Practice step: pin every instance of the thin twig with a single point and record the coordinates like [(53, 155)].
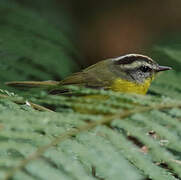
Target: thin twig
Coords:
[(38, 107), (33, 105), (176, 161), (74, 132)]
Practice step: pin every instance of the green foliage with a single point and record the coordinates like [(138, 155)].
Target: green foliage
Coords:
[(105, 141), (45, 136), (169, 83), (31, 46)]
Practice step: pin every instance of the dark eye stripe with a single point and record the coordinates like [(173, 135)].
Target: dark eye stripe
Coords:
[(145, 69)]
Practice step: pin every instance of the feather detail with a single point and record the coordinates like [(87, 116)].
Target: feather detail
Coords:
[(74, 79), (33, 84)]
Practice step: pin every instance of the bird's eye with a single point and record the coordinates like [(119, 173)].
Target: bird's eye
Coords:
[(144, 68)]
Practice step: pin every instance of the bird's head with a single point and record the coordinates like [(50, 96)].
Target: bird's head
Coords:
[(137, 68)]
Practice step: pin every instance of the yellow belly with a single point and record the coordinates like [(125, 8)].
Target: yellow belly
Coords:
[(119, 85), (125, 86)]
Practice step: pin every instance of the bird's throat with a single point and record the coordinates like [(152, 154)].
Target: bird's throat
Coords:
[(121, 85)]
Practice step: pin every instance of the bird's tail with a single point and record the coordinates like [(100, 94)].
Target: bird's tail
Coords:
[(33, 84)]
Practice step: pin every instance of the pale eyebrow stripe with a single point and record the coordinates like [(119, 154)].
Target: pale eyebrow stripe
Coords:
[(131, 55)]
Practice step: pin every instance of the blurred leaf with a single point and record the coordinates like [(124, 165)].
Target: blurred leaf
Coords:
[(169, 83), (32, 47), (107, 138)]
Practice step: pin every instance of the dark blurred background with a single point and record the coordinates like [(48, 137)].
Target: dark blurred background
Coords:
[(43, 39), (111, 28)]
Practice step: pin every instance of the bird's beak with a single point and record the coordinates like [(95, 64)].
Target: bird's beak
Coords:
[(163, 68)]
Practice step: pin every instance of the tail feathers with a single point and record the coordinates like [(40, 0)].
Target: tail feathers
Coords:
[(33, 84)]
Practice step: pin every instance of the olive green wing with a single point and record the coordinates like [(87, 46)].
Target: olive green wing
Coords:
[(95, 76), (74, 79)]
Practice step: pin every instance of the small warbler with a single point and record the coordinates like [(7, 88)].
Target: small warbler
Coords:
[(131, 73)]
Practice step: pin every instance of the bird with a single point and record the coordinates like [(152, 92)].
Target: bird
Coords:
[(130, 73)]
